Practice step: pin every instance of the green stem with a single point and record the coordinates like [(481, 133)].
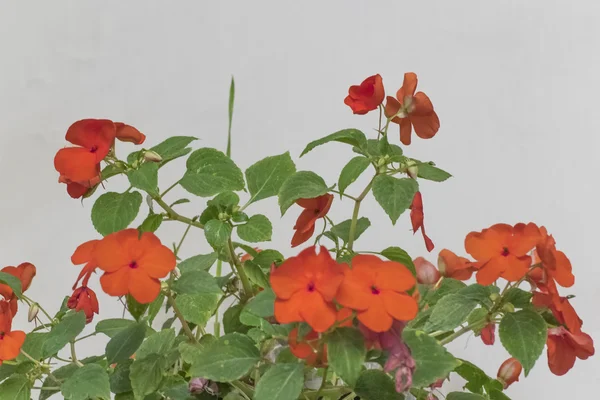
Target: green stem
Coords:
[(179, 315), (52, 388), (217, 328), (169, 189), (353, 223), (323, 382), (74, 359), (343, 194), (456, 334), (172, 214), (237, 266), (182, 239)]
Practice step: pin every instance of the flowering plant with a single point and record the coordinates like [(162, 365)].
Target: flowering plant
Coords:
[(329, 322)]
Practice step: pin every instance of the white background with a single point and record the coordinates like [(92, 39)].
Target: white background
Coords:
[(515, 84)]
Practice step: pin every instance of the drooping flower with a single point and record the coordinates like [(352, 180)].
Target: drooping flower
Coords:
[(553, 266), (84, 299), (84, 254), (412, 110), (509, 372), (488, 334), (427, 273), (305, 286), (417, 219), (376, 289), (565, 347), (79, 189), (127, 133), (200, 385), (133, 264), (561, 308), (453, 266), (367, 96), (25, 272), (10, 341), (313, 210), (502, 251)]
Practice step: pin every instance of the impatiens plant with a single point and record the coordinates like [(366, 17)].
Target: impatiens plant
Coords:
[(245, 322)]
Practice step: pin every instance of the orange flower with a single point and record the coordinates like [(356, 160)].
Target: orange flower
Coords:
[(488, 334), (417, 218), (127, 133), (564, 347), (305, 286), (10, 341), (561, 308), (377, 290), (313, 210), (412, 110), (133, 264), (367, 96), (502, 251), (427, 273), (79, 189), (555, 266), (509, 372), (84, 254), (453, 266), (84, 299), (25, 273)]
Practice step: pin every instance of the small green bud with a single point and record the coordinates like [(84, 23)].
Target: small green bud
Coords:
[(508, 307), (152, 156), (494, 296)]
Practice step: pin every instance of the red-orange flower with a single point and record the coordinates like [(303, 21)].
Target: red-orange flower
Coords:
[(25, 273), (453, 266), (10, 341), (417, 219), (488, 334), (555, 266), (509, 372), (127, 133), (84, 299), (502, 250), (565, 347), (367, 96), (377, 290), (412, 110), (84, 254), (305, 286), (427, 273), (313, 210), (561, 308), (133, 264)]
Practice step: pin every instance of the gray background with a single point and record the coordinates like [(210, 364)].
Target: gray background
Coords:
[(515, 85)]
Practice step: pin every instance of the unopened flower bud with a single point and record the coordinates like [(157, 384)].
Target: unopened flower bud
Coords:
[(488, 334), (152, 156), (509, 372), (412, 169), (381, 161), (508, 307), (494, 296), (34, 309), (427, 273), (197, 385)]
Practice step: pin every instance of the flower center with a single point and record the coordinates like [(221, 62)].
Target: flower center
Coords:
[(94, 149), (505, 252), (1, 335), (310, 287), (316, 211), (133, 265), (375, 290)]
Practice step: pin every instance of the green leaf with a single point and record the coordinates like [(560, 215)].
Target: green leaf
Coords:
[(346, 353), (89, 381), (342, 230), (518, 298), (267, 175), (432, 173), (217, 233), (523, 335), (119, 379), (374, 384), (257, 229), (263, 304), (239, 217), (464, 396), (450, 312), (173, 148), (146, 374), (63, 333), (180, 201), (224, 201), (231, 320), (230, 114), (301, 185), (13, 282), (377, 148), (151, 223), (113, 212), (17, 387), (111, 170), (197, 308), (125, 343), (353, 137), (157, 343), (447, 287), (110, 327), (34, 345), (256, 274), (281, 382), (210, 172), (432, 359), (394, 195), (136, 309), (267, 257), (197, 282), (399, 255), (230, 358), (145, 177), (351, 172), (201, 262), (477, 320), (155, 307)]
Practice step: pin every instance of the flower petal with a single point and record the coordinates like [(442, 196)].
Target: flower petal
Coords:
[(405, 131), (142, 287), (116, 283), (317, 313), (288, 311), (11, 344), (376, 318), (83, 252), (76, 164), (409, 85), (98, 134), (158, 261), (491, 271), (394, 276), (127, 133), (400, 306)]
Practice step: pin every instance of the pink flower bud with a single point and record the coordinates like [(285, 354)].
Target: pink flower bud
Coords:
[(488, 334), (509, 372), (34, 309), (427, 273)]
